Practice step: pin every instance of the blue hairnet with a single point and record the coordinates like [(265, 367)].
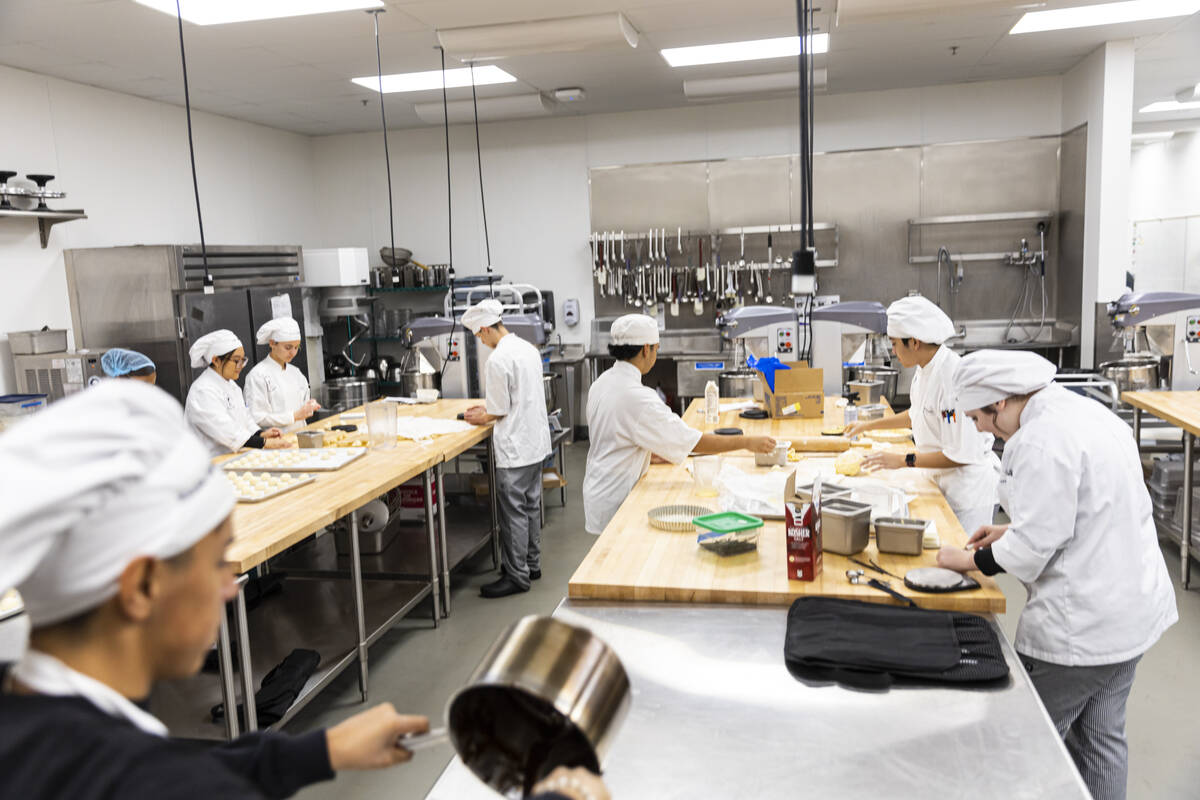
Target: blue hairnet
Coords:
[(117, 362)]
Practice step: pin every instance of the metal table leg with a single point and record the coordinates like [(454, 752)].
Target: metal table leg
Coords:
[(434, 548), (439, 473), (562, 472), (491, 457), (247, 668), (1185, 540), (360, 616), (1137, 428), (228, 693)]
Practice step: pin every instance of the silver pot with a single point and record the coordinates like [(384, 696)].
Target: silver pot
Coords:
[(739, 383), (888, 376), (551, 391), (547, 694), (411, 381), (343, 393), (1133, 372)]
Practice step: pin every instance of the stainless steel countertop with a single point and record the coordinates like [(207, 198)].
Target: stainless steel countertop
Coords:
[(716, 714)]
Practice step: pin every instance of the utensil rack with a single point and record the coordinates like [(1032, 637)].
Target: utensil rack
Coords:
[(972, 219), (46, 219)]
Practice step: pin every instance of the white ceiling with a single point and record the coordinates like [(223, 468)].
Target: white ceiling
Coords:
[(294, 74)]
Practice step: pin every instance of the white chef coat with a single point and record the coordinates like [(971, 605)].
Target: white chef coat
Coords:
[(1082, 539), (938, 426), (626, 423), (275, 392), (513, 390), (217, 413)]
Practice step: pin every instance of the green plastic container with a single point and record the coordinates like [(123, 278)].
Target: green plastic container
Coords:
[(727, 522)]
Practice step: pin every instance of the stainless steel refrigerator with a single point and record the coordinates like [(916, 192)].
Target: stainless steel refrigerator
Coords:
[(151, 298)]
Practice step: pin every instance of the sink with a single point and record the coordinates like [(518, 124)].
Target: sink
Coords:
[(567, 353)]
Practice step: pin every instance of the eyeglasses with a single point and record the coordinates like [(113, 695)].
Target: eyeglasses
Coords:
[(236, 361)]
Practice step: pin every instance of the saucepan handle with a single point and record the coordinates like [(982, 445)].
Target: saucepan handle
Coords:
[(415, 742)]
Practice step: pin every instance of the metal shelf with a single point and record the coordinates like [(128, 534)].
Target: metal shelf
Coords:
[(46, 219), (966, 219), (376, 289), (973, 219), (312, 614)]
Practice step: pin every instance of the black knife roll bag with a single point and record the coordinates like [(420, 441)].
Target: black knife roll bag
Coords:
[(870, 645)]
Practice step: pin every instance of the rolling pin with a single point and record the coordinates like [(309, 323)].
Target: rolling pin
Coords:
[(820, 444)]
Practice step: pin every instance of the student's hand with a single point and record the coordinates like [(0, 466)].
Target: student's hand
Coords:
[(985, 536), (276, 444), (655, 458), (476, 415), (307, 410), (578, 783), (368, 740), (759, 444), (272, 433), (956, 558), (883, 460), (856, 429)]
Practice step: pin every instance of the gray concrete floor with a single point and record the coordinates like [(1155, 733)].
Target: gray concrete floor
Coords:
[(417, 668)]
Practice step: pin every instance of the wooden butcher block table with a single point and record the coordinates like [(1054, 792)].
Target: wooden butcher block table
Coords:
[(632, 561)]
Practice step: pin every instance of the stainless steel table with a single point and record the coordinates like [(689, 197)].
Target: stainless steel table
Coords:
[(715, 714)]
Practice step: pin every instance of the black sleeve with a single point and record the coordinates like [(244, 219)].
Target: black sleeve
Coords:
[(279, 765), (986, 562), (548, 796), (254, 441)]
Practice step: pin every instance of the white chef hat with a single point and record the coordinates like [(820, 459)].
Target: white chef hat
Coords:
[(211, 345), (635, 329), (280, 329), (917, 318), (986, 376), (482, 315), (93, 482)]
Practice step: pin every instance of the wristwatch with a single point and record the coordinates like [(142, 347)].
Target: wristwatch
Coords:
[(910, 459)]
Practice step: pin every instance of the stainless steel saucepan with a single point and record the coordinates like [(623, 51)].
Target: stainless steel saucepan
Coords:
[(546, 695)]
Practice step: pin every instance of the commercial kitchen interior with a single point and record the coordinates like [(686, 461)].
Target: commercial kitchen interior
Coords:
[(923, 111)]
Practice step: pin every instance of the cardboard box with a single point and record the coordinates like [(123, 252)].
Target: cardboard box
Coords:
[(799, 384)]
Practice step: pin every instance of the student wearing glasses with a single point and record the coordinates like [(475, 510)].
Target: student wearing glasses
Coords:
[(215, 408)]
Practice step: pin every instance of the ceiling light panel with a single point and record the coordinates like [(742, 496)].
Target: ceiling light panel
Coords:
[(424, 81), (1103, 14), (221, 12), (783, 47), (1165, 106), (563, 35)]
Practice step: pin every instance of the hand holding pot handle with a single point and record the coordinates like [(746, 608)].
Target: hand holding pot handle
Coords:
[(368, 740)]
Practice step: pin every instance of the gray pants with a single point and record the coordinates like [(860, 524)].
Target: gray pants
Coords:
[(1087, 705), (519, 497)]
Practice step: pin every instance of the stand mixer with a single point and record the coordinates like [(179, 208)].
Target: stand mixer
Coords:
[(1143, 364)]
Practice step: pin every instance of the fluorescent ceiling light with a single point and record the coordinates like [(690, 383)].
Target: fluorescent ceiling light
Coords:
[(423, 81), (490, 108), (1164, 106), (563, 35), (702, 88), (743, 51), (219, 12), (1156, 136), (1103, 14)]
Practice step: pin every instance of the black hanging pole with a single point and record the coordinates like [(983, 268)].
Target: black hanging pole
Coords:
[(449, 220), (187, 105), (479, 160), (387, 160)]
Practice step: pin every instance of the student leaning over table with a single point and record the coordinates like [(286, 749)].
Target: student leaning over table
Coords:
[(967, 471), (215, 409), (113, 527), (515, 400), (1083, 542), (118, 362), (628, 423)]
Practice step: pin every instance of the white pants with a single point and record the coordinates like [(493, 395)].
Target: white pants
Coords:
[(972, 518)]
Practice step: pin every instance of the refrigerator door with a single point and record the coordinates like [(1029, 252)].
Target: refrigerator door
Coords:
[(203, 313), (268, 303)]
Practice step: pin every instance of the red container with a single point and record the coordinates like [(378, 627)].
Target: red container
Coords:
[(803, 542)]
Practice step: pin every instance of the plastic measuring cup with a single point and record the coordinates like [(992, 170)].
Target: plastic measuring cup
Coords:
[(704, 473), (381, 424)]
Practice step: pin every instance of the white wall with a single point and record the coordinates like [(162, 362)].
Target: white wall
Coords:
[(535, 172), (124, 161), (1165, 178)]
